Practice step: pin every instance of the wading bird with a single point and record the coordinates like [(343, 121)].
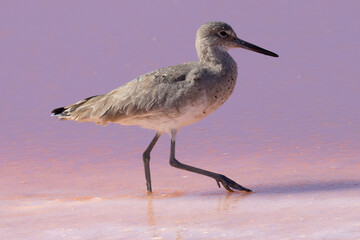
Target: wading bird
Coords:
[(170, 98)]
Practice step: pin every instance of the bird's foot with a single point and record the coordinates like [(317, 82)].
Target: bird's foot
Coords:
[(230, 184)]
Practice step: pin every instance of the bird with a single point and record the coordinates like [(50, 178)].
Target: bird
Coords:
[(167, 99)]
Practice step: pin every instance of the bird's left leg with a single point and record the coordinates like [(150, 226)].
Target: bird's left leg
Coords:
[(146, 160)]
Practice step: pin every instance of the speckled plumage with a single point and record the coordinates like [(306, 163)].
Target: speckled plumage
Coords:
[(169, 98), (158, 99)]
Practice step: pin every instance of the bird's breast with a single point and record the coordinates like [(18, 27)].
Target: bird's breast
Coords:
[(220, 90)]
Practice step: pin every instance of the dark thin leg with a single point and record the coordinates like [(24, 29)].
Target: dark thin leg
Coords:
[(146, 159), (219, 178)]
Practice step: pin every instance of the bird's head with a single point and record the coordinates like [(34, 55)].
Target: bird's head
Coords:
[(220, 35)]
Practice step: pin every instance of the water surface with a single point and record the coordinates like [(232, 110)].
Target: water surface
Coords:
[(290, 132)]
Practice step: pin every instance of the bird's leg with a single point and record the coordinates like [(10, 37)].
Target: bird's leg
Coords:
[(219, 178), (146, 159)]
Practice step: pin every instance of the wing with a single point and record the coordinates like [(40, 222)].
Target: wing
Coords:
[(166, 88)]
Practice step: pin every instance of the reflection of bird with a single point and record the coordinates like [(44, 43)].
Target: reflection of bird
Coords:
[(167, 99)]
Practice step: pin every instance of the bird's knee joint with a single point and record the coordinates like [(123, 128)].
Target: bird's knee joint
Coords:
[(174, 163), (146, 157)]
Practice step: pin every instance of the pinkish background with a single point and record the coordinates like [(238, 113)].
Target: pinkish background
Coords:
[(290, 132)]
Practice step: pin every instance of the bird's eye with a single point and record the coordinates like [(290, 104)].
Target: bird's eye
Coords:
[(223, 34)]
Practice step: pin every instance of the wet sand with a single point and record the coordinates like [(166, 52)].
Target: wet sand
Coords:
[(290, 132)]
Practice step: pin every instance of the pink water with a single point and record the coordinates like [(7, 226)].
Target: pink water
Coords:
[(290, 132)]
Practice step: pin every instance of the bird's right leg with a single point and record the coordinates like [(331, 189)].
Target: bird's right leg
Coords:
[(219, 178), (146, 160)]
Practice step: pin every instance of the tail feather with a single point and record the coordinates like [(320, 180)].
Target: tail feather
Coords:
[(58, 111), (65, 112)]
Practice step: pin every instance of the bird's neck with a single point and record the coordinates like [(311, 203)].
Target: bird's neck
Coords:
[(217, 59)]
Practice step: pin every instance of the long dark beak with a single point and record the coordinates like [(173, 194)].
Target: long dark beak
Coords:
[(246, 45)]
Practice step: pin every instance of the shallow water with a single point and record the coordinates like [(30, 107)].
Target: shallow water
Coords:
[(290, 132)]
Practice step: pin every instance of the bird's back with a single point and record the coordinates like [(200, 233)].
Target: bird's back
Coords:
[(164, 91)]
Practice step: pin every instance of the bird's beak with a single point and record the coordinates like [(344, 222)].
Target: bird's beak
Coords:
[(246, 45)]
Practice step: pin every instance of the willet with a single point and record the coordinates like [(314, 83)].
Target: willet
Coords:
[(170, 98)]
